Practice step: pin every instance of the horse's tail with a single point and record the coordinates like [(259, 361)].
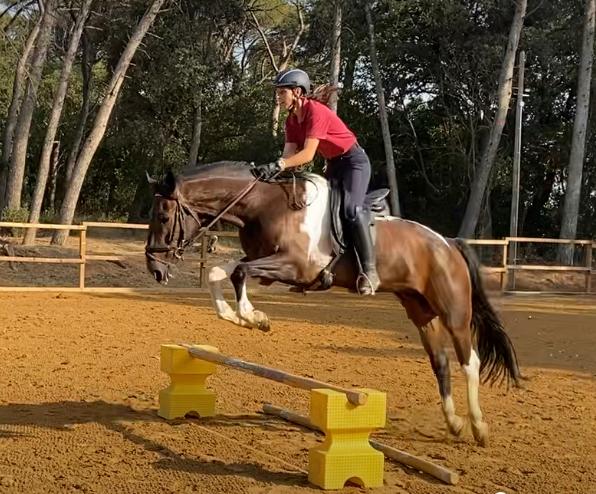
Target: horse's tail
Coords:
[(498, 360)]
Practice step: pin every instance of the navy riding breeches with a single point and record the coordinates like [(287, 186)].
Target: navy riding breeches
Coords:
[(351, 171)]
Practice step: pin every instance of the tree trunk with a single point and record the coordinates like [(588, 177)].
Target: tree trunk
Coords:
[(349, 72), (478, 188), (391, 175), (18, 87), (196, 135), (486, 218), (86, 71), (53, 180), (56, 113), (275, 117), (578, 144), (335, 54), (67, 210), (16, 172)]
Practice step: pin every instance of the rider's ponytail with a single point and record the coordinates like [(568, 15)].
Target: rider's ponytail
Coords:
[(323, 93)]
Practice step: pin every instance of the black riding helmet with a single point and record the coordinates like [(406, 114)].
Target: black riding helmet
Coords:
[(293, 78)]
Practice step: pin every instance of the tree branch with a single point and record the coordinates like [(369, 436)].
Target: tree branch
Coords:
[(419, 151), (298, 34), (16, 15), (10, 7), (264, 38)]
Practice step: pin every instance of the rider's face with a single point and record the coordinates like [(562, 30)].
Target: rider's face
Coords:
[(286, 96)]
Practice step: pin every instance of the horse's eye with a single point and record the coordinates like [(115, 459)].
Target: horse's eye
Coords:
[(163, 218)]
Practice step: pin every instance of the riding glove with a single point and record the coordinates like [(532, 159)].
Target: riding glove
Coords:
[(268, 170)]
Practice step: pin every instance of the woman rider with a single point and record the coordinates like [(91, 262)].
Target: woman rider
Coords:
[(313, 127)]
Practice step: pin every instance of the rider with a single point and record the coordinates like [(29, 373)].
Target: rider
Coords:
[(313, 127)]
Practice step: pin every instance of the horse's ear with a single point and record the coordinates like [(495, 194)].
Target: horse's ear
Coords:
[(169, 184), (150, 179)]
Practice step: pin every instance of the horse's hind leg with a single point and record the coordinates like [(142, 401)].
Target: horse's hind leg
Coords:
[(470, 364), (434, 339)]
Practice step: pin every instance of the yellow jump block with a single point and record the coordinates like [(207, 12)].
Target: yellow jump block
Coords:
[(346, 454), (187, 392)]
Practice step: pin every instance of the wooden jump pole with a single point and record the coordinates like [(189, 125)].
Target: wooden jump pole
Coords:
[(415, 462), (354, 397)]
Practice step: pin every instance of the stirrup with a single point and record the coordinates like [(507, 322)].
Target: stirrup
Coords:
[(370, 284)]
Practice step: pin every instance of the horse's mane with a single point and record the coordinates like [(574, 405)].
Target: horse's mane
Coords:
[(218, 168), (239, 169)]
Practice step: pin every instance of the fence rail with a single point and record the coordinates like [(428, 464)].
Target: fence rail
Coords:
[(506, 268)]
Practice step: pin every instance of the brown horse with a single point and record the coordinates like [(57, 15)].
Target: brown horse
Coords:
[(285, 231)]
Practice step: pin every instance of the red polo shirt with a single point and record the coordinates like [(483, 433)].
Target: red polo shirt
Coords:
[(320, 122)]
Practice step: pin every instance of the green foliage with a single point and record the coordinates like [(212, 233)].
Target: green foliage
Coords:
[(20, 215), (440, 61)]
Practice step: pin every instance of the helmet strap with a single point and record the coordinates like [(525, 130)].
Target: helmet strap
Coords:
[(295, 99)]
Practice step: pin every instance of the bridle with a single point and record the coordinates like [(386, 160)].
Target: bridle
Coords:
[(182, 211)]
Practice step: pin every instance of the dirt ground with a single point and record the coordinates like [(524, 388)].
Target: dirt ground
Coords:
[(81, 377)]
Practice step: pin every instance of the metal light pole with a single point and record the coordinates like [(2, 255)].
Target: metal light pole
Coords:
[(516, 162)]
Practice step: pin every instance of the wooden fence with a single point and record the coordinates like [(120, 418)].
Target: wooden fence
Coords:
[(506, 267)]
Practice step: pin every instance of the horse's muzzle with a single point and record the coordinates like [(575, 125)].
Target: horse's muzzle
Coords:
[(159, 269)]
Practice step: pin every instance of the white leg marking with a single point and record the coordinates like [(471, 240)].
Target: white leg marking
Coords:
[(472, 373), (454, 422), (248, 315), (245, 306), (217, 274)]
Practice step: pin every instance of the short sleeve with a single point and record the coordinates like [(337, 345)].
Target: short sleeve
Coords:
[(317, 123)]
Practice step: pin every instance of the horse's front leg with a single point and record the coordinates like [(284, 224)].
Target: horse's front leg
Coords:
[(217, 274), (277, 267)]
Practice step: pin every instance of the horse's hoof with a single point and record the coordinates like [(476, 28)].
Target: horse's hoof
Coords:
[(480, 432), (261, 321), (256, 320), (264, 326), (456, 426)]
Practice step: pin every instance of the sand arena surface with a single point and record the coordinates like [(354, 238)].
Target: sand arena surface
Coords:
[(80, 378)]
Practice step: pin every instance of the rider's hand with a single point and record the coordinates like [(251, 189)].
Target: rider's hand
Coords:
[(268, 170)]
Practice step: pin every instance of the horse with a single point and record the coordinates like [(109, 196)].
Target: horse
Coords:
[(285, 231)]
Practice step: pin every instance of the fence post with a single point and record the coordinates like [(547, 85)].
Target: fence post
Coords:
[(505, 273), (589, 266), (83, 256), (204, 245)]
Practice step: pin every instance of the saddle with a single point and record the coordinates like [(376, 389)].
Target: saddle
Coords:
[(375, 203)]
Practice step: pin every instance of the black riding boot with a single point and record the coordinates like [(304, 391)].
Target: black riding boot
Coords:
[(368, 280)]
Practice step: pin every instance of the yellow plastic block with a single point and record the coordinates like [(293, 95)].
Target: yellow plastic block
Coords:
[(187, 392), (346, 454)]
